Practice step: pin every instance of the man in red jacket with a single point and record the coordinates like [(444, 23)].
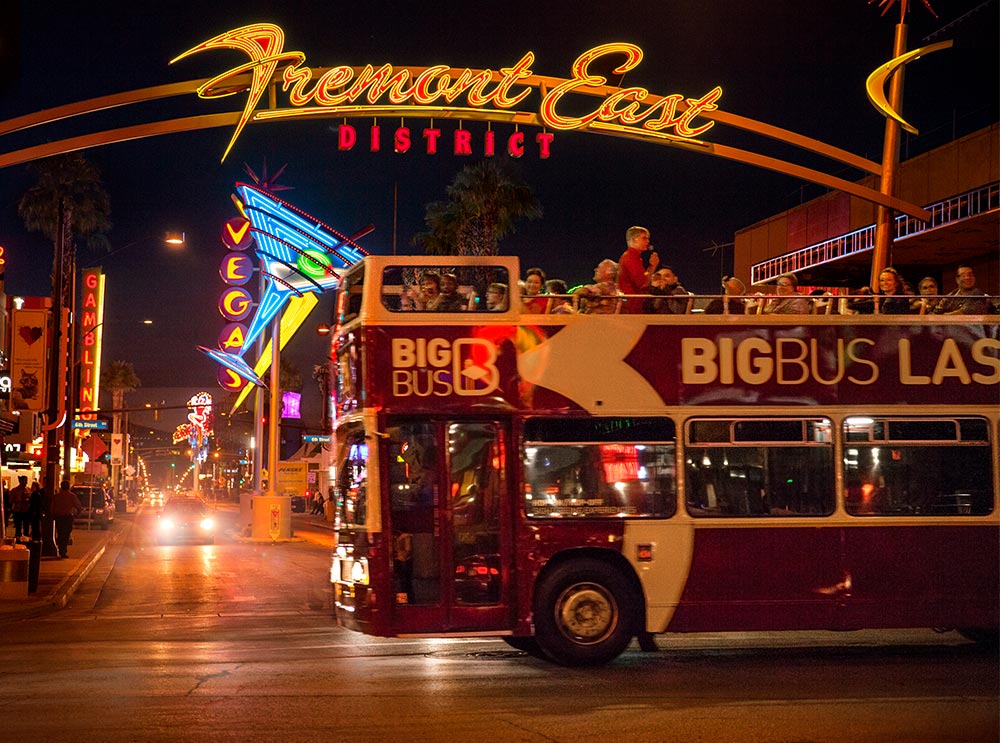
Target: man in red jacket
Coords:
[(633, 276)]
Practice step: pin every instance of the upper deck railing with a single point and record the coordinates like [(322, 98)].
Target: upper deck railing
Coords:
[(963, 206)]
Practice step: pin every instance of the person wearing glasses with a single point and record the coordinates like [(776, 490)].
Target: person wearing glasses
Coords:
[(967, 299), (664, 283), (788, 300), (928, 298)]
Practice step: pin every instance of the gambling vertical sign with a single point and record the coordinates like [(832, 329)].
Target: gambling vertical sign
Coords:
[(92, 327)]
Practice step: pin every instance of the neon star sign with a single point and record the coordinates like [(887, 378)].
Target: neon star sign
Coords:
[(440, 90)]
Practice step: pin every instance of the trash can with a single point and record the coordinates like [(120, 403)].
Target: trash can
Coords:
[(13, 571), (34, 563)]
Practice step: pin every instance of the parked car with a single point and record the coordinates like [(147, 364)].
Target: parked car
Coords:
[(185, 519), (98, 506), (298, 504)]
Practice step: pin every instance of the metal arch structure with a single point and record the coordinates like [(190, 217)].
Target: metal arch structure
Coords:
[(617, 110)]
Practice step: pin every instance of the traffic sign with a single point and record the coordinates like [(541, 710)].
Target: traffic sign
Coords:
[(98, 425), (314, 439)]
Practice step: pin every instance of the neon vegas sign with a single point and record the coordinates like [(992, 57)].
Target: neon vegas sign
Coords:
[(384, 91)]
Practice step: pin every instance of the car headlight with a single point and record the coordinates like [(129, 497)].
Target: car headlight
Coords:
[(207, 524), (166, 524)]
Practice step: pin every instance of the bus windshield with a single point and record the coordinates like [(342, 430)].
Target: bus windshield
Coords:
[(351, 489)]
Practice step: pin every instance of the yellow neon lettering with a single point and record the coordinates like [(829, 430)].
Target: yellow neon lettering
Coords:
[(583, 78), (261, 42), (695, 109), (333, 80)]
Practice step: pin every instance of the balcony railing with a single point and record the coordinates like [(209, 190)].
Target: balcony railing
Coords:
[(955, 209)]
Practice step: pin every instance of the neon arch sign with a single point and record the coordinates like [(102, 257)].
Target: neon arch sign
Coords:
[(386, 91), (452, 93)]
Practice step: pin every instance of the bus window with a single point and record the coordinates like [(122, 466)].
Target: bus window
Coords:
[(349, 294), (599, 467), (759, 467), (913, 466), (476, 466), (413, 462), (350, 490), (439, 289)]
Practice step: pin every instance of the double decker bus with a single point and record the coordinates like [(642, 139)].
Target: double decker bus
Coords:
[(571, 482)]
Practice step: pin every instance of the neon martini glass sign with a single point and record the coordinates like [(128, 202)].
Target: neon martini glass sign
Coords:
[(297, 254)]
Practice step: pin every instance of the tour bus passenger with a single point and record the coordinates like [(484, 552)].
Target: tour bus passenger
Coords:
[(891, 299), (822, 302), (558, 302), (863, 302), (532, 299), (496, 297), (928, 299), (664, 283), (966, 299), (425, 294), (734, 289), (788, 301), (450, 299), (633, 275), (602, 297)]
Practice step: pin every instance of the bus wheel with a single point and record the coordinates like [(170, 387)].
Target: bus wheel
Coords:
[(584, 613), (527, 645)]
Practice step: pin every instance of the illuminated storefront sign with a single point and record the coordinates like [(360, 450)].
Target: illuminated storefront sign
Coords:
[(92, 328), (441, 91)]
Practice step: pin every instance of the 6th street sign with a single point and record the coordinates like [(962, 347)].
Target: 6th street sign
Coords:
[(98, 425)]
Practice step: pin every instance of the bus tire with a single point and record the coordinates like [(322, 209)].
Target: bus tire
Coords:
[(584, 613), (527, 645)]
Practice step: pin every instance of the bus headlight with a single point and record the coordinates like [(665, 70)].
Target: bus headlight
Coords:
[(359, 571)]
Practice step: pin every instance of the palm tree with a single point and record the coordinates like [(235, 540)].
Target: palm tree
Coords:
[(120, 378), (484, 203), (68, 200)]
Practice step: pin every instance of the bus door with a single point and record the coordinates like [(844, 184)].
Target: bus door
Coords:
[(449, 523)]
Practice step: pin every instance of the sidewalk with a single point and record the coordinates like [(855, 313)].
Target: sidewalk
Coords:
[(59, 578)]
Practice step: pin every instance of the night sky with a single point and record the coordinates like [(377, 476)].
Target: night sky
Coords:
[(799, 65)]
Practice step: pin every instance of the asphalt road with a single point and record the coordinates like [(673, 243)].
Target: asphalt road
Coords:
[(235, 642)]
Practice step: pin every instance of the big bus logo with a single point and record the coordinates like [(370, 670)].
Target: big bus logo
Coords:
[(438, 367)]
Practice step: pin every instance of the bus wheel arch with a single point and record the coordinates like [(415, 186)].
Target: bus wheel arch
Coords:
[(588, 606)]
